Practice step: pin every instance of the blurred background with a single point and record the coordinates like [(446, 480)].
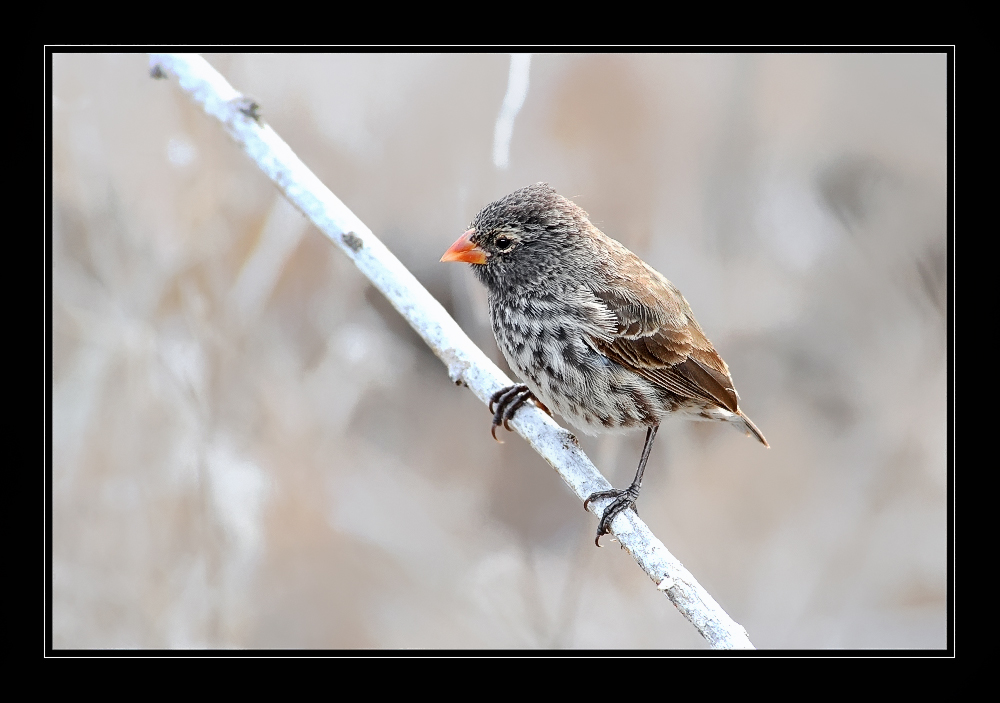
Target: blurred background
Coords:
[(252, 449)]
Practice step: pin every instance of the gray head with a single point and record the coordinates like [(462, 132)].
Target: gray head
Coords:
[(528, 236)]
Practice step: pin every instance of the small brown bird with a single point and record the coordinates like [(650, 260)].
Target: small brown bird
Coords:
[(596, 334)]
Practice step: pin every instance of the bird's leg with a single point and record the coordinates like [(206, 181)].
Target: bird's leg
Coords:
[(508, 400), (623, 499)]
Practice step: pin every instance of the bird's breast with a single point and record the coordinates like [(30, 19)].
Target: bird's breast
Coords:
[(546, 339)]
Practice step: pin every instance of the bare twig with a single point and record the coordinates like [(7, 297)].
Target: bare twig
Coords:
[(467, 364)]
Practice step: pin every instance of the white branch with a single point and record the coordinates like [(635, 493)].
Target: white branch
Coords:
[(467, 364)]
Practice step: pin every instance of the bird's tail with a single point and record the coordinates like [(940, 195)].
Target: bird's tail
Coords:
[(752, 428)]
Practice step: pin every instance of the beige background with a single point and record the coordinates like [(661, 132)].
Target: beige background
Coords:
[(251, 449)]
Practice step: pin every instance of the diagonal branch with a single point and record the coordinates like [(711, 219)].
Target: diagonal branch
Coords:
[(467, 364)]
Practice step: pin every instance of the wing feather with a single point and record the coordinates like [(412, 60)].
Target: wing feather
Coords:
[(657, 336)]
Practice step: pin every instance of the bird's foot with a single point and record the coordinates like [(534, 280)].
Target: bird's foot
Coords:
[(508, 400), (623, 500)]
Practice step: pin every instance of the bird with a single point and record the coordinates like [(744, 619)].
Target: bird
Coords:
[(593, 331)]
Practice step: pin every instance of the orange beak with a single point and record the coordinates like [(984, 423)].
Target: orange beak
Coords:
[(465, 250)]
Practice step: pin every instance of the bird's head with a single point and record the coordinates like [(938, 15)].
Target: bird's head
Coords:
[(531, 234)]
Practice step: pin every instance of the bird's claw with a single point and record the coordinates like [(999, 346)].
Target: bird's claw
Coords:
[(623, 500), (507, 401)]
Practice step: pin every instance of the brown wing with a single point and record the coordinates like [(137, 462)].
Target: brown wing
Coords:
[(657, 336)]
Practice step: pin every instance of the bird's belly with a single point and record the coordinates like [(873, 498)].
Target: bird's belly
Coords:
[(592, 392)]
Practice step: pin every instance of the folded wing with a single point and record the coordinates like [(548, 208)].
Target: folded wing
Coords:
[(658, 338)]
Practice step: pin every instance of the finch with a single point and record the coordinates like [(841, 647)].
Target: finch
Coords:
[(595, 333)]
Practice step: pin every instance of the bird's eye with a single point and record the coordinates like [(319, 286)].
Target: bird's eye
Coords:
[(504, 243)]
